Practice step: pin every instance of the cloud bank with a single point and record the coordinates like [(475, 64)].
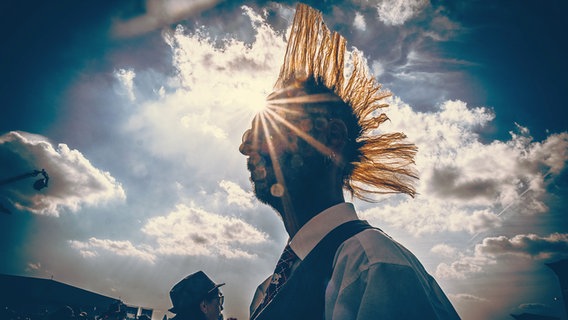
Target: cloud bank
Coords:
[(467, 184), (495, 250), (193, 231), (74, 182), (397, 12), (186, 231)]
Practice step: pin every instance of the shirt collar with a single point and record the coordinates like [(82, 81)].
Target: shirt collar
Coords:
[(319, 226)]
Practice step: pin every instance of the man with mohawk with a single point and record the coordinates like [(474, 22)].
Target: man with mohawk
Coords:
[(315, 139)]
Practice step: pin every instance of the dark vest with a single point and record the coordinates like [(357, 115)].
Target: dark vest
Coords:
[(303, 295)]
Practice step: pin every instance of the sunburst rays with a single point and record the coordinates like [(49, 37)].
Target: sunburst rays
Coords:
[(276, 130)]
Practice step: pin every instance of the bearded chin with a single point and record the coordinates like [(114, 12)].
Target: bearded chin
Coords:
[(297, 176), (262, 192), (264, 195)]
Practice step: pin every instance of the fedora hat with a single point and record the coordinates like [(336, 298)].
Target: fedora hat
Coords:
[(190, 291)]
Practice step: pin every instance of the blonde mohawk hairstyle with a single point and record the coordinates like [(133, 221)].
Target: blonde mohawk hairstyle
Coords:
[(313, 52)]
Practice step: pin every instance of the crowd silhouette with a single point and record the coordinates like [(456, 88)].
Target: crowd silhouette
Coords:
[(115, 311)]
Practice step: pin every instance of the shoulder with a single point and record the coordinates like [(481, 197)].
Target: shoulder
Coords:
[(370, 266), (370, 249), (373, 246)]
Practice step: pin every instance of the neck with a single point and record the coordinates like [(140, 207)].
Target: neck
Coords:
[(298, 208), (294, 222)]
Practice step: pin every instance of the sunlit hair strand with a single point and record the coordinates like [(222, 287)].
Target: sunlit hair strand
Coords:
[(384, 162)]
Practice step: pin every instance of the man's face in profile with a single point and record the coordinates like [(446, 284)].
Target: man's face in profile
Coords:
[(212, 307), (283, 148), (270, 147)]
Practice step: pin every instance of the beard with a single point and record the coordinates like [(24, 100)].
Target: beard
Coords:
[(263, 186), (298, 172)]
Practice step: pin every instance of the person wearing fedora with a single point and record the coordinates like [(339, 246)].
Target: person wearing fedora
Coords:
[(197, 297)]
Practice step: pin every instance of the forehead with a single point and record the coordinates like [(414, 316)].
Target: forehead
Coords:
[(301, 98), (293, 112), (293, 117)]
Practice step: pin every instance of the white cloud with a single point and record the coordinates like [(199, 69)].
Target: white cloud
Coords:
[(186, 231), (236, 195), (467, 297), (217, 87), (193, 231), (159, 14), (125, 248), (434, 216), (359, 22), (33, 266), (418, 75), (83, 248), (466, 184), (494, 250), (441, 28), (377, 68), (126, 78), (397, 12), (88, 253), (444, 250), (553, 246), (552, 153), (462, 268), (73, 180)]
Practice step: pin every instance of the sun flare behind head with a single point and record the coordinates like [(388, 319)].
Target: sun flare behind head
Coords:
[(256, 102)]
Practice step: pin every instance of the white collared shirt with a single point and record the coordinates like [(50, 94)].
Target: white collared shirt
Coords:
[(374, 277)]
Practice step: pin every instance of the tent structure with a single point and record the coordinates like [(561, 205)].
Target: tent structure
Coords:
[(40, 296)]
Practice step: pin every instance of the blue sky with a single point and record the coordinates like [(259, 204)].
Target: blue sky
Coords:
[(136, 112)]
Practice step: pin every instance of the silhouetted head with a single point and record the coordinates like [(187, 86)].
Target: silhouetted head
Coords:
[(321, 123), (306, 132), (197, 297)]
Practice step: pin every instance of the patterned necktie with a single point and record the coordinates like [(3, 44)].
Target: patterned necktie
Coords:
[(280, 276)]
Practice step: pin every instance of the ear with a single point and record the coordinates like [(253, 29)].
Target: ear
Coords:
[(203, 306), (337, 135)]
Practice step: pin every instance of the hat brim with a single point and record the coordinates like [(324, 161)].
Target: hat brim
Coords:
[(215, 287), (174, 310)]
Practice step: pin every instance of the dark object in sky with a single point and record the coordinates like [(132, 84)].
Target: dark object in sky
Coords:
[(41, 183), (38, 184)]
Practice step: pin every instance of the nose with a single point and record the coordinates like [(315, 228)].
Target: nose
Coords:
[(246, 143)]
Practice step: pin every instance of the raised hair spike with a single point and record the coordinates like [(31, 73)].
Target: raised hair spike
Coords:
[(313, 52)]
